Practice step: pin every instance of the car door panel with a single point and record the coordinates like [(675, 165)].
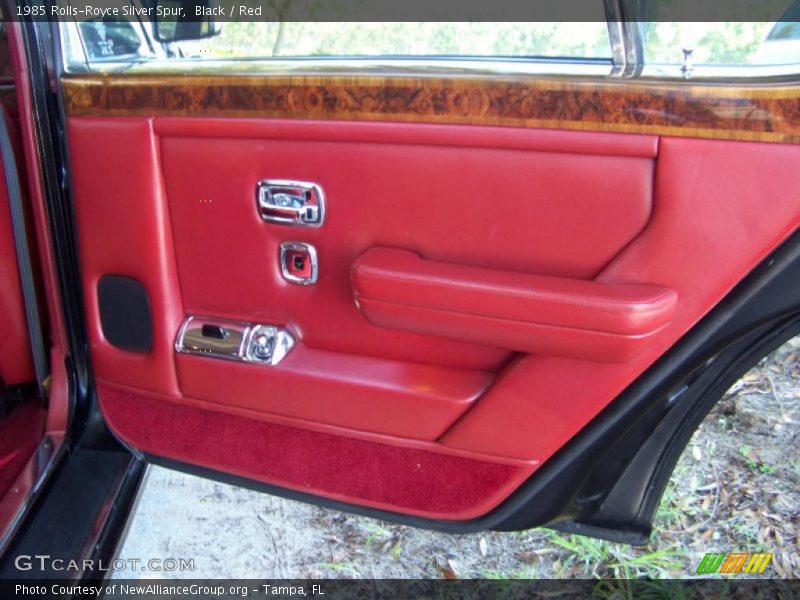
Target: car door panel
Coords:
[(483, 293), (720, 208), (429, 198)]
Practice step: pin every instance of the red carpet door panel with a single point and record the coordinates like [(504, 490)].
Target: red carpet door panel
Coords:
[(478, 295), (378, 475)]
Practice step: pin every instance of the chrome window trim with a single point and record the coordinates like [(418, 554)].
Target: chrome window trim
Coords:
[(738, 73), (701, 73), (625, 37), (367, 66)]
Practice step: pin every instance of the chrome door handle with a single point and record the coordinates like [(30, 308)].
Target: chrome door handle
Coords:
[(291, 202), (234, 340)]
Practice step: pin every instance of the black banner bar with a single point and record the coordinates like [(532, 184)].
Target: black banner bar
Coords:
[(328, 589), (405, 11)]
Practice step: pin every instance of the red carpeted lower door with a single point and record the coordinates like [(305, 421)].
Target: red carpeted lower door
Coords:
[(482, 293), (20, 433), (384, 476)]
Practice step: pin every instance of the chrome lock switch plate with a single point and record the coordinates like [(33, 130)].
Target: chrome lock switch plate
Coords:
[(234, 340), (299, 263), (268, 344), (287, 202)]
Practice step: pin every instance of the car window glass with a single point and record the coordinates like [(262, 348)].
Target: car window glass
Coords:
[(109, 39), (310, 39)]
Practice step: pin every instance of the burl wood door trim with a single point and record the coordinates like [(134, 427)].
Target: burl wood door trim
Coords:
[(743, 112)]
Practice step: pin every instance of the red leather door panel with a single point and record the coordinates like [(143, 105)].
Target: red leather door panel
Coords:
[(434, 197), (410, 400), (124, 229), (721, 207), (606, 248), (15, 359), (16, 364)]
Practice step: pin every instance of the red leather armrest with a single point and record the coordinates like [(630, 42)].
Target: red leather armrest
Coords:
[(608, 322)]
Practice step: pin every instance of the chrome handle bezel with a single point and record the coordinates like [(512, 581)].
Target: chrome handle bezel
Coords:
[(238, 345), (307, 249), (309, 195)]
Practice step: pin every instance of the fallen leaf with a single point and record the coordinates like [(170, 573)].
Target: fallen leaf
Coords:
[(447, 570)]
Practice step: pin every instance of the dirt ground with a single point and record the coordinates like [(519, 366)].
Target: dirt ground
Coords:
[(736, 488)]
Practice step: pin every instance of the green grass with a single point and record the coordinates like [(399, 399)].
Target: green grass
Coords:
[(603, 559)]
